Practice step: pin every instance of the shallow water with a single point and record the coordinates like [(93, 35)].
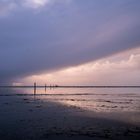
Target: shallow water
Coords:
[(93, 99), (89, 112)]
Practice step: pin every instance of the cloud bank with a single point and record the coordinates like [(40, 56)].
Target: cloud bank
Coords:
[(43, 35), (119, 69)]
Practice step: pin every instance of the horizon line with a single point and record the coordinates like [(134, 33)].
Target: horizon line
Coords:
[(71, 86)]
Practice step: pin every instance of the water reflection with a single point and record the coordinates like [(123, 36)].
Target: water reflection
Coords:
[(99, 100), (53, 90)]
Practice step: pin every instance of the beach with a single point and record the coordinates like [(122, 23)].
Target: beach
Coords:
[(69, 114)]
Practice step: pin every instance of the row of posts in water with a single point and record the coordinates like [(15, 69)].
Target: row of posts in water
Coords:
[(45, 86)]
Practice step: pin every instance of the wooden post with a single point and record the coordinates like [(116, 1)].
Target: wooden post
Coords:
[(45, 87), (34, 87)]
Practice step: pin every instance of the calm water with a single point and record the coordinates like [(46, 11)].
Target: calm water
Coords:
[(94, 99)]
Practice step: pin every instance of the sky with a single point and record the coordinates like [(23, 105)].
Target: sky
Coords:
[(70, 42)]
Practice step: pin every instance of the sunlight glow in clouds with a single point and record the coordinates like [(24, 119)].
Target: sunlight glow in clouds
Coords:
[(36, 3), (7, 6), (109, 71)]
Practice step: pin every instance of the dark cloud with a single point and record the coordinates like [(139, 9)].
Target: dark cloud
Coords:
[(62, 35)]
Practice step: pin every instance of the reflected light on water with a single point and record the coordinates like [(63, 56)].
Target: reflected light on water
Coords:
[(99, 100)]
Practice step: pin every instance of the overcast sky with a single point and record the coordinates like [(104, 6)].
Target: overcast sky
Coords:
[(50, 36)]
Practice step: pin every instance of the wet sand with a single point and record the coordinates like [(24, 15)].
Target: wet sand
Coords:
[(31, 118)]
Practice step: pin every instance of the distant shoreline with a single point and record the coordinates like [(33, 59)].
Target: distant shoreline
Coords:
[(56, 86)]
